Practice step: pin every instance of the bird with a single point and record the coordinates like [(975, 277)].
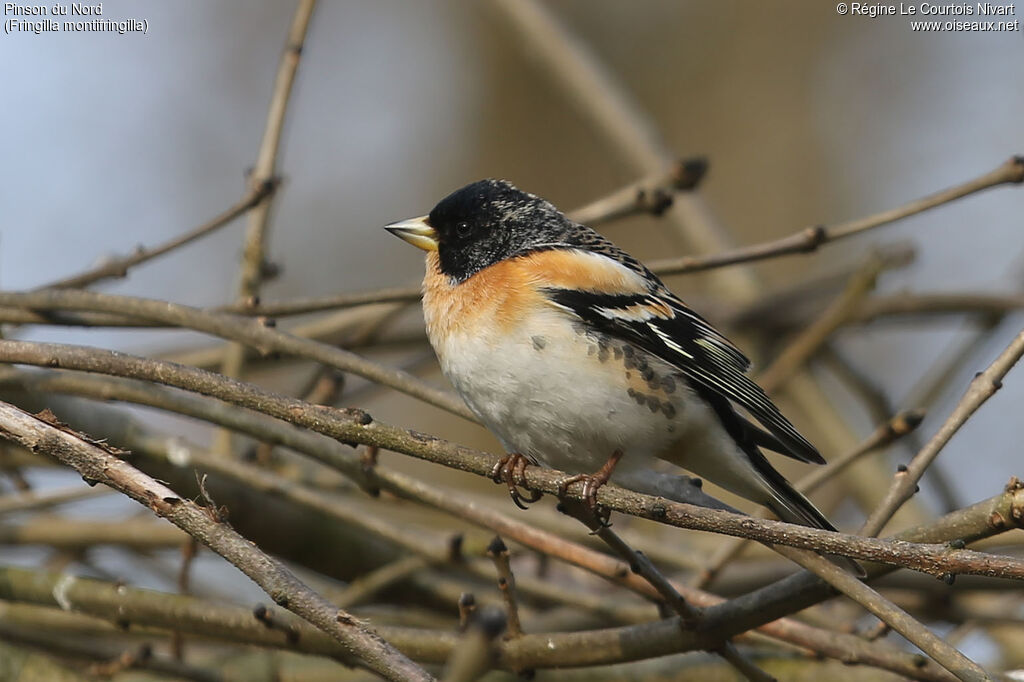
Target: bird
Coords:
[(576, 356)]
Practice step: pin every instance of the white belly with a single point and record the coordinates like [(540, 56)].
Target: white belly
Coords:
[(570, 398)]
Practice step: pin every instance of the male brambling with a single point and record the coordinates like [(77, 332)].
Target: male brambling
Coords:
[(572, 352)]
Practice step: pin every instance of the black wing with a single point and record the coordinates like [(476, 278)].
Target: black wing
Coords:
[(662, 325)]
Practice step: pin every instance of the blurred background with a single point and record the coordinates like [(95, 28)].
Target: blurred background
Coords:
[(805, 116)]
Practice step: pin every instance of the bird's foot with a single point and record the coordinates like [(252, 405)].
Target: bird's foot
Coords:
[(509, 470), (591, 484)]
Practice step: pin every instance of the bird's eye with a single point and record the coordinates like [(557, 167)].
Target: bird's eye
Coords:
[(463, 229)]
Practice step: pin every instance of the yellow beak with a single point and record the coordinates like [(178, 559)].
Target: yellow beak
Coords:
[(416, 231)]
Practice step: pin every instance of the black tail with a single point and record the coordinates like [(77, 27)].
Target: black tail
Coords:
[(787, 503), (792, 507)]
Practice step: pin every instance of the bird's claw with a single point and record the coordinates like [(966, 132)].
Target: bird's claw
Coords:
[(509, 470), (591, 484)]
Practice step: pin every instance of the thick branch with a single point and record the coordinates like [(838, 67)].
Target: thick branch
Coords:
[(134, 607), (355, 426)]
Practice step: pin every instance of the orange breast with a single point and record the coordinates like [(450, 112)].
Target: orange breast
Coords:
[(503, 296)]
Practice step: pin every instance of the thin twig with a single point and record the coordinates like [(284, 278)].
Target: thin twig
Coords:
[(1010, 172), (336, 329), (189, 551), (810, 239), (894, 308), (801, 348), (902, 622), (498, 552), (467, 605), (301, 306), (932, 304), (927, 391), (476, 653), (654, 194), (30, 501), (902, 424), (690, 616), (97, 464), (254, 265), (118, 267), (805, 241), (982, 387), (363, 588)]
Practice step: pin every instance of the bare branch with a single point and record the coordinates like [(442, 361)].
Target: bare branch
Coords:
[(498, 552), (355, 426), (254, 264), (902, 424), (96, 464), (929, 304), (653, 194), (31, 500), (365, 587), (121, 604), (983, 387), (203, 618), (119, 267), (690, 616), (250, 332), (811, 238), (78, 533), (799, 591), (898, 619), (804, 241), (807, 343), (846, 648), (300, 306)]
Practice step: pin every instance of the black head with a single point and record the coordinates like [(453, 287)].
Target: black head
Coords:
[(487, 222)]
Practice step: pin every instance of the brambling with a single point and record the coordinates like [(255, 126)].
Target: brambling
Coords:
[(573, 353)]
